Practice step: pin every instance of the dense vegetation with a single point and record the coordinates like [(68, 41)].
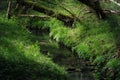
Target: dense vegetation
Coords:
[(88, 38), (20, 58)]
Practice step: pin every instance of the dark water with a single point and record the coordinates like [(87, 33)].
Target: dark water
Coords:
[(79, 76)]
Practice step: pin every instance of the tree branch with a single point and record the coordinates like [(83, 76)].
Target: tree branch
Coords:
[(32, 16), (112, 11)]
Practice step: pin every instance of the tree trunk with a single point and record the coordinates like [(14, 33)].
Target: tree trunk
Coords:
[(95, 5)]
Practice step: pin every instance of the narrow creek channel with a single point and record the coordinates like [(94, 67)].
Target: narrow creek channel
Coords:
[(61, 56)]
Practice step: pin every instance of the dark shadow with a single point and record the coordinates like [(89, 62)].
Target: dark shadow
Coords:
[(114, 22)]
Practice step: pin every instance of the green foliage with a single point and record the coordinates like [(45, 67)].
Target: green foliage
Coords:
[(95, 41), (91, 38), (20, 58), (109, 5), (113, 64), (99, 59), (82, 50)]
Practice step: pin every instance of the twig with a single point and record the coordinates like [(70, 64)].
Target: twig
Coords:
[(23, 15), (8, 10), (112, 11)]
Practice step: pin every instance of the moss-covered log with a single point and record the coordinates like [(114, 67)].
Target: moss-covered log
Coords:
[(68, 20)]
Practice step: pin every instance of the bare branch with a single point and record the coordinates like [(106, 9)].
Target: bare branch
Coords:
[(8, 10), (112, 11)]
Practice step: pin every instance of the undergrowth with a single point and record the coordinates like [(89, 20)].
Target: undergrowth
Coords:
[(93, 40), (96, 42), (20, 58)]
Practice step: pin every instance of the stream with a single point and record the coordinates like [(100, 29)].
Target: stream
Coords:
[(61, 56), (79, 76)]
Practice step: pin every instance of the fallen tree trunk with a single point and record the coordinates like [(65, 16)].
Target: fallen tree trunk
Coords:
[(73, 15), (68, 20)]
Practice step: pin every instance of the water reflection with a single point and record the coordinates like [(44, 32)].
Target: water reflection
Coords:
[(79, 76)]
